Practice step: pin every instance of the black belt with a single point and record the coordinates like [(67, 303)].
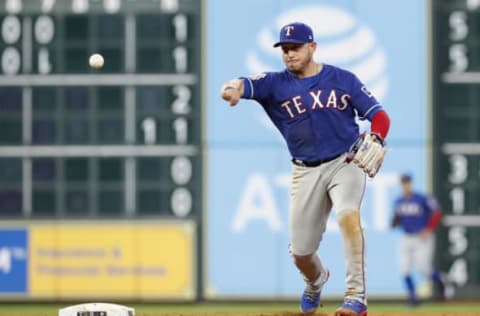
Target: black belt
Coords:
[(303, 163)]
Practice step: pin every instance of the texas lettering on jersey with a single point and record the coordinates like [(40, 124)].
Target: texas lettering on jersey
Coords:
[(409, 209), (315, 115), (297, 106)]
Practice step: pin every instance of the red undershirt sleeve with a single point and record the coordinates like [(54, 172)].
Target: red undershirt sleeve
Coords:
[(380, 124), (434, 220)]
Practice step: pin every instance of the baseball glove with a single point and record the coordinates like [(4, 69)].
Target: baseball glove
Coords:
[(368, 153)]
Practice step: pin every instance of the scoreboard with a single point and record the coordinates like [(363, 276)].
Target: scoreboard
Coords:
[(122, 141), (456, 139)]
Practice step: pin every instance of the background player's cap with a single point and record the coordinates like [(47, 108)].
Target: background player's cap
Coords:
[(406, 177), (296, 33)]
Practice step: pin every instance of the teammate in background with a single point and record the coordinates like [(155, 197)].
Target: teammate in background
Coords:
[(418, 215), (314, 106)]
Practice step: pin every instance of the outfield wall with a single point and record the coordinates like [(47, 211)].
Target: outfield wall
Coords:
[(78, 260)]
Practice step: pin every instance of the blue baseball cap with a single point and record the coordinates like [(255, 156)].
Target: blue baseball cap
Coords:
[(295, 33), (406, 177)]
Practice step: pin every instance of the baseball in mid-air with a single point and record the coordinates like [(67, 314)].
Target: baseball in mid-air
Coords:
[(96, 61)]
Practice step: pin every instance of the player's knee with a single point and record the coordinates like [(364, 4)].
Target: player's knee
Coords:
[(349, 220), (304, 245)]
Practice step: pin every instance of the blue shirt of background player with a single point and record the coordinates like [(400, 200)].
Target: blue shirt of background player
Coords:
[(414, 212), (315, 115)]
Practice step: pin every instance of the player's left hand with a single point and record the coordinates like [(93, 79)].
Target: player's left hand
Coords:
[(369, 154)]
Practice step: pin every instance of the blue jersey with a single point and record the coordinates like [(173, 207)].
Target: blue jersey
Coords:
[(414, 212), (315, 115)]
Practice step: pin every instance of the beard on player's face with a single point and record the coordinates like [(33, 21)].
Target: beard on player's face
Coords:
[(296, 67), (298, 62)]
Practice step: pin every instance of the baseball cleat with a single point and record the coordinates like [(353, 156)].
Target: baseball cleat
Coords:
[(351, 308), (311, 298)]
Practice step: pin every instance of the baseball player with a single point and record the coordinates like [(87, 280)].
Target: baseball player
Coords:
[(314, 106), (418, 215)]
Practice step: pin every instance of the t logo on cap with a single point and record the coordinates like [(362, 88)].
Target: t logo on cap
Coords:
[(295, 33), (288, 28)]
